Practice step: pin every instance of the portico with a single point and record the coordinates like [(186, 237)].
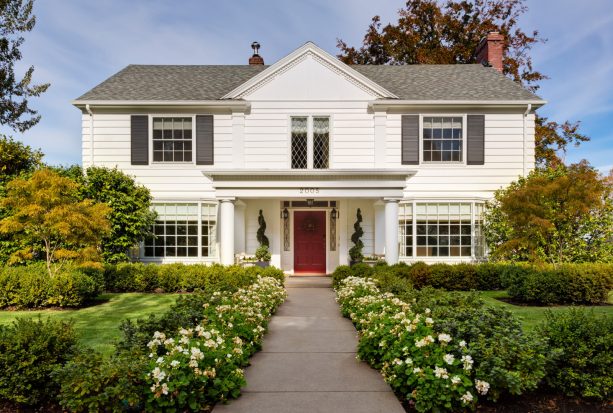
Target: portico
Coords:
[(309, 214)]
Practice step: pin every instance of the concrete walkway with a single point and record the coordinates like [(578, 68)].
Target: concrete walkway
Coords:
[(307, 364)]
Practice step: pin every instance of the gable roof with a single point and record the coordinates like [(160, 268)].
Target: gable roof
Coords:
[(197, 83)]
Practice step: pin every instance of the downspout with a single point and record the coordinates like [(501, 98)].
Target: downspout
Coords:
[(91, 134), (528, 109)]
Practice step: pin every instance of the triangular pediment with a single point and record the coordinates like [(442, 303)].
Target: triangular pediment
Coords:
[(309, 73)]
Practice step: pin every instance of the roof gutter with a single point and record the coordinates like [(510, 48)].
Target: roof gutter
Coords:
[(385, 104), (214, 104)]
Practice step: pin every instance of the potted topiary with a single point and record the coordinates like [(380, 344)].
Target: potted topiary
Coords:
[(355, 252), (262, 254)]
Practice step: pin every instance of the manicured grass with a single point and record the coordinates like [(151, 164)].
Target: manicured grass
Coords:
[(98, 325), (532, 316)]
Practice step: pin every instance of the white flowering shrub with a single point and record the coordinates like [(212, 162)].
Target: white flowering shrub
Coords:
[(202, 365), (434, 372)]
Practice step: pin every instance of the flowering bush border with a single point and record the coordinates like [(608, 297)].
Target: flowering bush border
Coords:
[(203, 365), (432, 371)]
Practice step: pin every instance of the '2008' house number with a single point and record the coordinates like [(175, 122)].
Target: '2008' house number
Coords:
[(309, 190)]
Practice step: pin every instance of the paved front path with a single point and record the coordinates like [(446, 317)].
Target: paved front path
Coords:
[(307, 364)]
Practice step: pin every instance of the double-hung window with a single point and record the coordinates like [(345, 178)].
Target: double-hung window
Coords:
[(172, 139), (442, 139), (310, 142)]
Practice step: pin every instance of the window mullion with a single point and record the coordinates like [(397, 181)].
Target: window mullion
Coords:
[(310, 142)]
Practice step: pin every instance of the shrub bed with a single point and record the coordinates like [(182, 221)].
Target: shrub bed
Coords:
[(31, 286), (29, 351), (434, 372), (178, 369), (581, 348), (545, 285), (139, 277)]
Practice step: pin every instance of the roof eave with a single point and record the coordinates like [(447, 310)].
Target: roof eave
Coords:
[(213, 104), (384, 104)]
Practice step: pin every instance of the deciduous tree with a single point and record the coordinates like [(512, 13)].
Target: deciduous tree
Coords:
[(561, 214), (49, 214), (448, 32)]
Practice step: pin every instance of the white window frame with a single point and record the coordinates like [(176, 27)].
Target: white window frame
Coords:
[(172, 115), (421, 139), (414, 203), (310, 146), (199, 257)]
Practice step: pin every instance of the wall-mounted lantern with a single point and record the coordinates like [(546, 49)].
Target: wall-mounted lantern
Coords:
[(334, 213), (285, 214)]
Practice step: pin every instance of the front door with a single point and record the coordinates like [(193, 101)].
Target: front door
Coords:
[(310, 242)]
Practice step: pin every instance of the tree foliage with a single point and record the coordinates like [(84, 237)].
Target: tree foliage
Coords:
[(16, 18), (16, 158), (561, 214), (130, 216), (448, 32), (50, 216)]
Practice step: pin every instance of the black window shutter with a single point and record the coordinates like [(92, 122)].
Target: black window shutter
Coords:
[(475, 140), (410, 140), (139, 146), (204, 140)]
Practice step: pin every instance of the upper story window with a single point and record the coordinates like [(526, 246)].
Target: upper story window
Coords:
[(442, 139), (172, 139), (310, 142)]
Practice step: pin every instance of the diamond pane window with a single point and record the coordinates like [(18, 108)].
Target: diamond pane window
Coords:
[(172, 139), (321, 143), (442, 139), (299, 143)]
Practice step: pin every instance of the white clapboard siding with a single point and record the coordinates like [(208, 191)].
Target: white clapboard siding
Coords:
[(504, 160)]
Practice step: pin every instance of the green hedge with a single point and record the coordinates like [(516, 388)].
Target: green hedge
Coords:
[(31, 286), (29, 351), (546, 284), (169, 278), (581, 353)]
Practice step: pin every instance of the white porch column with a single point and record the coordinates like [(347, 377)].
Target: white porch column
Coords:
[(239, 227), (391, 230), (226, 231), (379, 207)]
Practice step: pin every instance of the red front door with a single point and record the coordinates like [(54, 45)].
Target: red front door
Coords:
[(310, 242)]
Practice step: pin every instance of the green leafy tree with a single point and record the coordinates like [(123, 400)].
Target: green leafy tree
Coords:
[(355, 252), (49, 215), (561, 214), (448, 32), (130, 217), (16, 18), (15, 159)]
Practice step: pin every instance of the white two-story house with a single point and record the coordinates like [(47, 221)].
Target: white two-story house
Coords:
[(308, 141)]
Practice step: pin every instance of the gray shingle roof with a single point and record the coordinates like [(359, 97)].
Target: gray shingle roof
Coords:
[(410, 82)]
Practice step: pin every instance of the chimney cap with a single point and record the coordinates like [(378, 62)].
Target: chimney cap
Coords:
[(256, 48)]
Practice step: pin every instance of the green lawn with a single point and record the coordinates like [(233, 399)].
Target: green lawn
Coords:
[(532, 316), (98, 325)]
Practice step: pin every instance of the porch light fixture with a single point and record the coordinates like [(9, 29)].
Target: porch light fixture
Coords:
[(310, 202), (334, 213), (285, 214)]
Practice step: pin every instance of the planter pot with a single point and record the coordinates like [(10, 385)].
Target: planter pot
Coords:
[(262, 264), (247, 263)]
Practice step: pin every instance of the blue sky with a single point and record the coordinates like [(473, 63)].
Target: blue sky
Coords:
[(77, 44)]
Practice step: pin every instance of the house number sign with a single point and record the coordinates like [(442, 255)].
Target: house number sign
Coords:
[(309, 190)]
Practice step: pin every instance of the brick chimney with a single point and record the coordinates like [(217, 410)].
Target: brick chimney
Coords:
[(256, 59), (490, 50)]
